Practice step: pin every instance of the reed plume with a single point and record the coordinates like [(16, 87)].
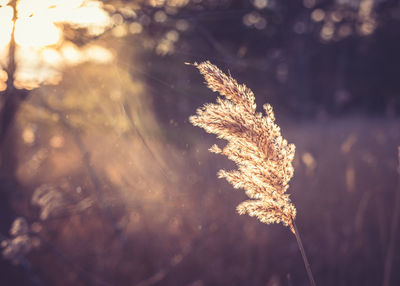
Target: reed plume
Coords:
[(255, 144), (264, 158)]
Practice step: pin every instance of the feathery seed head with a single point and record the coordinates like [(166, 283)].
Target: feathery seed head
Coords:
[(255, 144)]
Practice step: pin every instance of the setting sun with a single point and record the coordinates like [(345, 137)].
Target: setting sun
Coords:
[(36, 32), (39, 23), (5, 24), (39, 28)]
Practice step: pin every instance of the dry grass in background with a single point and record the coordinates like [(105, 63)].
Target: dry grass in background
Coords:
[(171, 222)]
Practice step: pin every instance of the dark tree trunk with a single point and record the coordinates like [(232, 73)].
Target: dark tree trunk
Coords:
[(12, 98)]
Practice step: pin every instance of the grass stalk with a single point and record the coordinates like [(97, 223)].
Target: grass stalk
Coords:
[(303, 255), (387, 271), (255, 143)]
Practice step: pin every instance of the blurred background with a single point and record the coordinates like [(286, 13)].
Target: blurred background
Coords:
[(104, 182)]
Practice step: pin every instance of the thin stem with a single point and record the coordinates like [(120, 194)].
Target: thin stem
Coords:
[(303, 254), (393, 230)]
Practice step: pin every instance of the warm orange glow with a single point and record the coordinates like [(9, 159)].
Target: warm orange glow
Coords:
[(3, 86), (3, 75), (3, 79), (36, 32), (37, 21), (28, 135), (71, 53), (41, 48), (5, 24), (51, 56)]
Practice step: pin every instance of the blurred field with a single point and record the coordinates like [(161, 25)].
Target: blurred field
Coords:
[(154, 212), (103, 181)]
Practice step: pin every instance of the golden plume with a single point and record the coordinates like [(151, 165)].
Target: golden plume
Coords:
[(255, 144)]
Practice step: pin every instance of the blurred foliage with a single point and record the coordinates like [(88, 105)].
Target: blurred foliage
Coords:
[(120, 190), (319, 54)]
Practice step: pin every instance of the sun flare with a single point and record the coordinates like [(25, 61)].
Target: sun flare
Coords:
[(42, 50), (6, 14), (36, 32), (39, 23)]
